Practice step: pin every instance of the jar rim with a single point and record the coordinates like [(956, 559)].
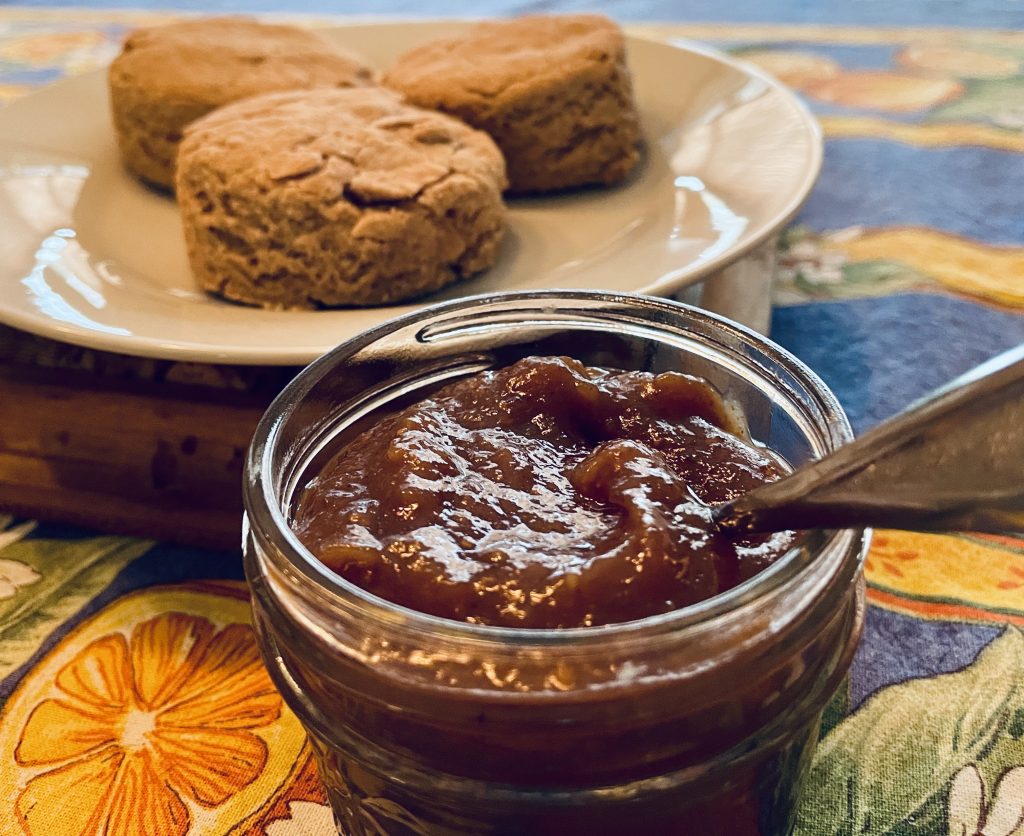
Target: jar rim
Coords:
[(264, 512)]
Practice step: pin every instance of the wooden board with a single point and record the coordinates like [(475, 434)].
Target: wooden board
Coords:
[(151, 458)]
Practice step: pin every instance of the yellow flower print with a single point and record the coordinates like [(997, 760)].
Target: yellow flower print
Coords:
[(158, 727), (1015, 579), (797, 69), (957, 61), (887, 552), (929, 569), (961, 265), (50, 47), (877, 90)]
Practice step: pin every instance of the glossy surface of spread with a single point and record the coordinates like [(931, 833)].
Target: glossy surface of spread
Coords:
[(545, 494)]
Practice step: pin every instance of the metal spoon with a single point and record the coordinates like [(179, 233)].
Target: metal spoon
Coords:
[(953, 461)]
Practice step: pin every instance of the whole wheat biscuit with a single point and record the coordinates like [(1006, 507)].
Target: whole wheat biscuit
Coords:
[(167, 76), (553, 91), (336, 197)]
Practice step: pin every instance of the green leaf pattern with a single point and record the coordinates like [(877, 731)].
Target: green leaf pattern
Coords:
[(810, 268), (45, 582), (888, 768)]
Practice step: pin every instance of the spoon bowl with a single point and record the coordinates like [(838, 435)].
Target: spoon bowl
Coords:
[(953, 461)]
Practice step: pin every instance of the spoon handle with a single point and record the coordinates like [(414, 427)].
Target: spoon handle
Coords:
[(953, 461)]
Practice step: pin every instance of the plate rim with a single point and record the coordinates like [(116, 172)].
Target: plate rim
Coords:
[(296, 355), (800, 194)]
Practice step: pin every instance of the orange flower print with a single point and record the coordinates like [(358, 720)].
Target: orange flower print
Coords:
[(145, 729)]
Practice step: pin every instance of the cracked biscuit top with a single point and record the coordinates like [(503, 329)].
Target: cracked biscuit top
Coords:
[(337, 197), (552, 90), (219, 60), (168, 76)]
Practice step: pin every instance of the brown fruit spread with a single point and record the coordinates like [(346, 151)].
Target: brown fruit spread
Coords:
[(545, 494)]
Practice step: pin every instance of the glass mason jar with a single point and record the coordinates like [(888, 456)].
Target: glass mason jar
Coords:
[(701, 720)]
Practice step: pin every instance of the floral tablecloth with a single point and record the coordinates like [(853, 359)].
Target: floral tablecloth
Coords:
[(133, 699)]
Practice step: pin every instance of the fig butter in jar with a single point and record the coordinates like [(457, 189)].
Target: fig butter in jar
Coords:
[(701, 719)]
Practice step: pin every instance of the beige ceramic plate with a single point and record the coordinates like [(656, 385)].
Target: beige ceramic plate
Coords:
[(89, 256)]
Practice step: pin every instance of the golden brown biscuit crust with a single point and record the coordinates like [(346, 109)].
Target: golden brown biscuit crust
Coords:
[(336, 197), (167, 76), (553, 91)]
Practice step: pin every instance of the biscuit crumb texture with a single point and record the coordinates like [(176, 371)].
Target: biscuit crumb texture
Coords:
[(324, 198), (166, 77), (553, 91)]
